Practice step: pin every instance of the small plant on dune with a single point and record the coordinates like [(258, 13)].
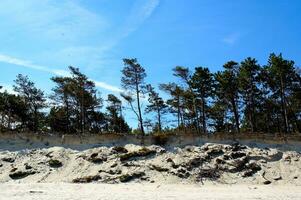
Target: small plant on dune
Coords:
[(160, 139), (119, 149), (140, 153), (55, 163), (87, 179)]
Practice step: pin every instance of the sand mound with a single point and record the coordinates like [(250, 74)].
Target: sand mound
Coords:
[(217, 163)]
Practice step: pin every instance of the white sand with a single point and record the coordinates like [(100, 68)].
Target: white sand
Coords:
[(207, 163), (145, 191), (163, 173)]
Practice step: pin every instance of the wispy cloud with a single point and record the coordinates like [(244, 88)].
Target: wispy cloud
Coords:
[(231, 38), (63, 20), (97, 56), (46, 28), (139, 13), (29, 64), (59, 72), (61, 32), (107, 86)]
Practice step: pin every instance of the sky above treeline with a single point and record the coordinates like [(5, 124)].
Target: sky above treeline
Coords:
[(41, 38)]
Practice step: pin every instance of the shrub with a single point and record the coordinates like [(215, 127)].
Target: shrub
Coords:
[(86, 179), (160, 139), (55, 163), (140, 153)]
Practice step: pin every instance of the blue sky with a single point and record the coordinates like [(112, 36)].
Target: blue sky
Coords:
[(41, 38)]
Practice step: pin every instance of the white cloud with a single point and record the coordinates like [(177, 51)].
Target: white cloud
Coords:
[(29, 64), (63, 20), (59, 72), (140, 12), (64, 28), (107, 86)]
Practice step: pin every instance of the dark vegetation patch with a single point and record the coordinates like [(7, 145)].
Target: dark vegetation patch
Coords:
[(129, 177), (159, 168), (111, 171), (20, 174), (119, 149), (181, 172), (55, 163), (194, 162), (8, 159), (267, 182), (96, 158), (87, 179), (237, 165), (237, 154), (160, 139), (237, 147), (210, 173), (143, 152), (27, 166), (251, 169), (13, 169)]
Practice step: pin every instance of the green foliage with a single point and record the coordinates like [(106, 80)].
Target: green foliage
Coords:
[(282, 80), (202, 84), (249, 83), (76, 104), (244, 97), (13, 110), (34, 101), (133, 75), (176, 103), (227, 89), (156, 105), (116, 122)]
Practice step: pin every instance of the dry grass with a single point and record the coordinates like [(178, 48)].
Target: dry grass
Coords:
[(176, 138)]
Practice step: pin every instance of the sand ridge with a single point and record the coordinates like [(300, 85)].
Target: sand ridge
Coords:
[(205, 164)]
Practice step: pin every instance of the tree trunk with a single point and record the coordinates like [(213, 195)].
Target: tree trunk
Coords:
[(252, 109), (139, 110), (35, 126), (204, 116), (179, 113), (283, 105), (236, 116), (159, 121), (68, 115), (196, 113)]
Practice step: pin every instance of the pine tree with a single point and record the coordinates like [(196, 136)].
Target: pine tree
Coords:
[(13, 111), (176, 103), (133, 75), (34, 100), (202, 84), (77, 95), (249, 83), (184, 74), (281, 79), (227, 87), (156, 104), (116, 121)]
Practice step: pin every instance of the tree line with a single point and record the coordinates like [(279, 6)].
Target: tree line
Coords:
[(243, 97)]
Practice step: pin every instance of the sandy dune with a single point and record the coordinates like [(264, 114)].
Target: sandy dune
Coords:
[(227, 164), (209, 171), (145, 191)]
